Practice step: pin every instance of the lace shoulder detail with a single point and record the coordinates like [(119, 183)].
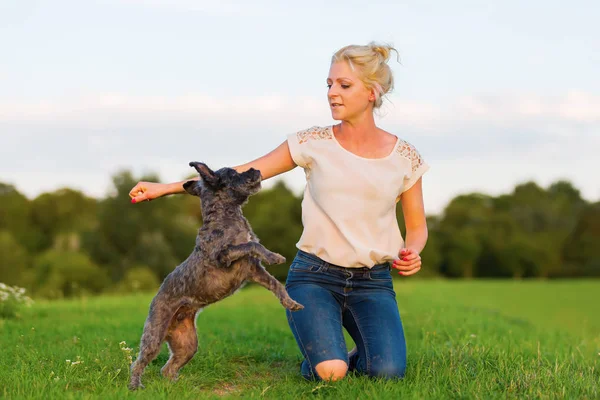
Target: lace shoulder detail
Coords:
[(316, 133), (409, 151)]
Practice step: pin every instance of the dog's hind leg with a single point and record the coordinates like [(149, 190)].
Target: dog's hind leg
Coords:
[(155, 329), (182, 339), (235, 252), (260, 275)]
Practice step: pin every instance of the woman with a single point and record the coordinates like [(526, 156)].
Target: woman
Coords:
[(356, 172)]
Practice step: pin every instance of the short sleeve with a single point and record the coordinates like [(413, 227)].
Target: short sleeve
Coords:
[(418, 166), (296, 149), (303, 145)]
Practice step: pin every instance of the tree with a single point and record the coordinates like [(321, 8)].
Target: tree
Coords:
[(545, 218), (15, 217), (581, 249), (431, 255), (462, 250), (63, 212), (469, 210), (462, 232), (153, 250), (14, 259), (131, 234)]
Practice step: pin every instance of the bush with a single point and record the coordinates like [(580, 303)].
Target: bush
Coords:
[(12, 298), (67, 274), (138, 279)]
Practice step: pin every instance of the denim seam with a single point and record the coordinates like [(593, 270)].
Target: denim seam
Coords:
[(342, 323), (302, 271), (364, 339), (310, 368)]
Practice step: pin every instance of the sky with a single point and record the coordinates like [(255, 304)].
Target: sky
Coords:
[(491, 93)]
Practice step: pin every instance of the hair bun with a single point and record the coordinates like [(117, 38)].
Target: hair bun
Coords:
[(383, 50)]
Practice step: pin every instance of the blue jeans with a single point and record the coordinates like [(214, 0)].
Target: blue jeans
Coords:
[(362, 300)]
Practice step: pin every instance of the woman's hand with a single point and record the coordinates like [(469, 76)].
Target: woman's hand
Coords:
[(146, 191), (409, 262)]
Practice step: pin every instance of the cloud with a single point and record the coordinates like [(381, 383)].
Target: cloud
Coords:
[(498, 110), (91, 109), (574, 107)]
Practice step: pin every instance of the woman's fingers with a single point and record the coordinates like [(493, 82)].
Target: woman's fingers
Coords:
[(410, 257), (140, 197), (408, 254), (411, 272), (406, 265), (140, 192), (409, 262), (137, 190)]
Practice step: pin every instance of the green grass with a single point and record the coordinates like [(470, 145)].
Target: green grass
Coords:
[(466, 339)]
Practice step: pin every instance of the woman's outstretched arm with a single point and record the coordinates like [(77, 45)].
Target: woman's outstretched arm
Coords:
[(272, 164)]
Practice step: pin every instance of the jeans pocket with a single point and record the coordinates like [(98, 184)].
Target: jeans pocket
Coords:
[(303, 267)]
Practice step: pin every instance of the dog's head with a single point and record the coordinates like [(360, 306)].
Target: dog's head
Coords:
[(225, 184)]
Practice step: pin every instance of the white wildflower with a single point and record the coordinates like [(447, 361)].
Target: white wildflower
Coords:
[(127, 351)]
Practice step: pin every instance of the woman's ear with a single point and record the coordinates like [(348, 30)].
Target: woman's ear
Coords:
[(372, 96)]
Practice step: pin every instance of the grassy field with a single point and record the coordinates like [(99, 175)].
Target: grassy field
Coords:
[(476, 339)]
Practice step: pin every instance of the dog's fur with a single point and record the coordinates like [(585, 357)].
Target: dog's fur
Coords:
[(227, 254)]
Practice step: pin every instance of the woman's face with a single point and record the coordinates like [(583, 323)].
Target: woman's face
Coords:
[(347, 95)]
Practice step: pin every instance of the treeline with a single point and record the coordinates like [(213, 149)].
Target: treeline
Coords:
[(64, 243)]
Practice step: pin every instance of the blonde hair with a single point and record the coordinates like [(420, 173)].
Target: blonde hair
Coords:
[(371, 63)]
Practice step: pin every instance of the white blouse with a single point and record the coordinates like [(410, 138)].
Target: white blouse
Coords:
[(349, 204)]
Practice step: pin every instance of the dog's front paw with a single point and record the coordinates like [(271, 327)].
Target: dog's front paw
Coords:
[(292, 305), (275, 258), (135, 385), (223, 260)]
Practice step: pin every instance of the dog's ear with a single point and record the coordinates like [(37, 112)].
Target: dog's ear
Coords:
[(206, 173), (192, 187)]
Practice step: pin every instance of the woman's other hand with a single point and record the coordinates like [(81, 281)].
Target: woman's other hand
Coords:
[(409, 262)]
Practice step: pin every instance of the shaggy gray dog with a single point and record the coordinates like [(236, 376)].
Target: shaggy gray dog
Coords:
[(227, 254)]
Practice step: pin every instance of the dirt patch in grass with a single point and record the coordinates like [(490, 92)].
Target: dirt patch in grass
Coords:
[(225, 389)]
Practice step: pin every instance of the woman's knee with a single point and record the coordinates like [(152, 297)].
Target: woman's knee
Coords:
[(332, 370)]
